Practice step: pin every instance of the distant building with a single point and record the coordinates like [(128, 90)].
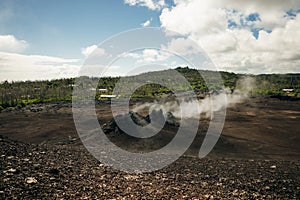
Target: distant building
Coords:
[(110, 96), (102, 90), (287, 90)]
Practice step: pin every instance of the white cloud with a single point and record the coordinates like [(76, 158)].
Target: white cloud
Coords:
[(130, 55), (15, 67), (153, 55), (235, 48), (94, 50), (146, 23), (148, 56), (182, 46), (150, 4), (8, 43), (98, 70)]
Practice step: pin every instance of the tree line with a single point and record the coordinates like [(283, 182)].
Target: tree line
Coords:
[(21, 93)]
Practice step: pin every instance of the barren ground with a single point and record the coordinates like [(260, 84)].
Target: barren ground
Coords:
[(257, 156)]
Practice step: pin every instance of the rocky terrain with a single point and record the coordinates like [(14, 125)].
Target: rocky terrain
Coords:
[(257, 157), (69, 171)]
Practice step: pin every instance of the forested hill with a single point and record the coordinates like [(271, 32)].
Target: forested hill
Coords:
[(25, 92)]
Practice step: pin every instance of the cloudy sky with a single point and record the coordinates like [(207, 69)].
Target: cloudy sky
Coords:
[(51, 39)]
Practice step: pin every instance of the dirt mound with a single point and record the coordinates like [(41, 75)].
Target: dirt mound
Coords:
[(140, 120)]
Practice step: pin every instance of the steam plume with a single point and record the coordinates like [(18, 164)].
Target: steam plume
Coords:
[(222, 99)]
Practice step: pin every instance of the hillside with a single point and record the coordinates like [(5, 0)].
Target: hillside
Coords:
[(19, 94)]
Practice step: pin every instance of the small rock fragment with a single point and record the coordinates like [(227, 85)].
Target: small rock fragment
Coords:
[(11, 170), (30, 180)]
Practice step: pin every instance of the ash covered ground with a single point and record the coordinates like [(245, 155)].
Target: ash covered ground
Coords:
[(257, 156)]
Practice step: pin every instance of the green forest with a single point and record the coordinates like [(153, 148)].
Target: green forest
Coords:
[(21, 93)]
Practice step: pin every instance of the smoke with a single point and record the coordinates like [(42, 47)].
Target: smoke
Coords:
[(215, 101)]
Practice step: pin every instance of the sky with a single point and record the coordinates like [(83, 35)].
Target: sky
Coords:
[(52, 39)]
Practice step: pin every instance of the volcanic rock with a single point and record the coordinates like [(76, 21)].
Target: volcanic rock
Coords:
[(30, 180), (157, 117)]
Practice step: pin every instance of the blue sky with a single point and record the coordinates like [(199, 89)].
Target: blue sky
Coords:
[(42, 39), (62, 28)]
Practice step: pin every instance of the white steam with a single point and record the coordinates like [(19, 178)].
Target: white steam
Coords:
[(213, 102)]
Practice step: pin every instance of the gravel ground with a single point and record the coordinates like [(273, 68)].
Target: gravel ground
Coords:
[(68, 171)]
